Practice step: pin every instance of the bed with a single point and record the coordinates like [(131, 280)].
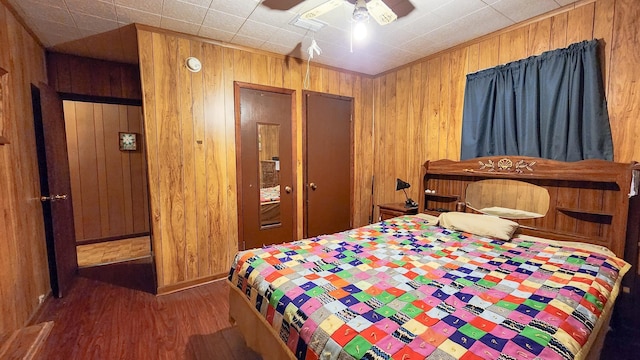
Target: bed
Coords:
[(408, 288), (270, 205)]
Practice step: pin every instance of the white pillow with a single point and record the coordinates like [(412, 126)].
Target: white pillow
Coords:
[(482, 225)]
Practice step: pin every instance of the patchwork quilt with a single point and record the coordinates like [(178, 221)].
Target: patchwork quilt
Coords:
[(270, 194), (401, 289)]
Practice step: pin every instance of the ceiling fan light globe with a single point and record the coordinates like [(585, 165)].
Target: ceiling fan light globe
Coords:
[(359, 31)]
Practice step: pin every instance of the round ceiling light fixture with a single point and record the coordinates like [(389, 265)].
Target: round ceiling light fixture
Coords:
[(193, 64)]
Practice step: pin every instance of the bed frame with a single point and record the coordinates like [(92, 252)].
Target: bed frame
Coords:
[(588, 202)]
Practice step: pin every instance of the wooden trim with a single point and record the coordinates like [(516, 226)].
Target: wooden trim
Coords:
[(26, 343), (100, 99), (477, 40), (4, 105), (185, 285), (111, 238), (39, 310), (243, 48)]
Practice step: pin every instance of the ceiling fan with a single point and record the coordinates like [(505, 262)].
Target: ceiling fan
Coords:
[(376, 9)]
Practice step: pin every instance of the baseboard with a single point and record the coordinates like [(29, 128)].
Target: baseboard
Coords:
[(26, 343), (39, 309), (184, 285)]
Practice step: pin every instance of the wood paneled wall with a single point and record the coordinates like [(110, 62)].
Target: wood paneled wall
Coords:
[(23, 261), (190, 127), (418, 107), (109, 186), (84, 76)]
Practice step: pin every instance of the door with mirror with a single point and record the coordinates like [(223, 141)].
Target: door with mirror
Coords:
[(266, 200)]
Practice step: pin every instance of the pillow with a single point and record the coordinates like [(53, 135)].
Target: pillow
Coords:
[(483, 225)]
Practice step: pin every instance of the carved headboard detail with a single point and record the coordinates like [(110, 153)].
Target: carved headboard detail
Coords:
[(589, 199)]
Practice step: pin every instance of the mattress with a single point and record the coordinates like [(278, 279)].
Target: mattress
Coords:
[(404, 289)]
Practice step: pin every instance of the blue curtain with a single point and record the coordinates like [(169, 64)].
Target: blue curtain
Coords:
[(549, 106)]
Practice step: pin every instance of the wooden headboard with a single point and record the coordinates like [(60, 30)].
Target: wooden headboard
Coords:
[(589, 199)]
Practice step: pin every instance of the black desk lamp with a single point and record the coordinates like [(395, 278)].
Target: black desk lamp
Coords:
[(402, 185)]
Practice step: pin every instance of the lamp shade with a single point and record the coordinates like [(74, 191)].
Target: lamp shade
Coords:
[(401, 185)]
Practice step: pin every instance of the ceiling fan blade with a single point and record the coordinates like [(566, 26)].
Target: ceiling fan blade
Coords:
[(321, 9), (381, 12), (281, 4)]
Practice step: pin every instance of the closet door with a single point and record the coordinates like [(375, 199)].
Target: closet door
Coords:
[(328, 163), (266, 198)]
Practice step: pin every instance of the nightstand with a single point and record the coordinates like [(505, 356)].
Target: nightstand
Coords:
[(391, 210)]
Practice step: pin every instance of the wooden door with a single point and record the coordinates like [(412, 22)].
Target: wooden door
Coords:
[(264, 144), (327, 163), (55, 187)]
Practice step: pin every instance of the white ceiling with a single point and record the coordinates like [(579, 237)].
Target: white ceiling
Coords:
[(432, 26)]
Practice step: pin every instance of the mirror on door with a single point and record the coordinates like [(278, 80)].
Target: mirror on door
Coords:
[(269, 167)]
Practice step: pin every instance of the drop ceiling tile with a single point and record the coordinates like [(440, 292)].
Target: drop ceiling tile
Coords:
[(482, 22), (128, 15), (285, 37), (55, 3), (332, 35), (46, 27), (48, 13), (179, 26), (93, 23), (183, 11), (50, 39), (242, 8), (247, 41), (425, 43), (565, 2), (279, 48), (215, 34), (273, 17), (455, 10), (422, 25), (202, 3), (223, 21), (257, 30), (150, 6), (105, 10), (305, 5), (519, 10)]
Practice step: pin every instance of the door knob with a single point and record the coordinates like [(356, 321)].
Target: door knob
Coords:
[(313, 186), (288, 189), (53, 197)]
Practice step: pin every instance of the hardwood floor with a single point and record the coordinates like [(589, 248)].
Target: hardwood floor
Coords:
[(103, 320), (113, 251), (111, 313)]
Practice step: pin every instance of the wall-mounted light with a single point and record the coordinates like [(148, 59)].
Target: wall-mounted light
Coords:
[(193, 64)]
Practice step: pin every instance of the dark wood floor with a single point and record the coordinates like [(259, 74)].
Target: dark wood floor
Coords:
[(110, 313)]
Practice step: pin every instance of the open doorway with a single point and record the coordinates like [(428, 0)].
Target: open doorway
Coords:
[(107, 167)]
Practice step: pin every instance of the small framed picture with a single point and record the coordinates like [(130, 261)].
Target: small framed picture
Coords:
[(128, 141)]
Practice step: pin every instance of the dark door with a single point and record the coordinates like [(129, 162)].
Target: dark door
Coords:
[(328, 163), (266, 198), (55, 187)]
